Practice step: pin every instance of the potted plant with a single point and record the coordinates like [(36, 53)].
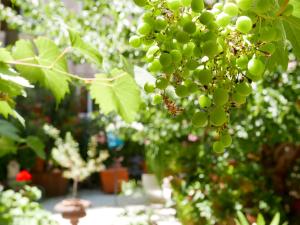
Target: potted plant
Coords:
[(66, 154)]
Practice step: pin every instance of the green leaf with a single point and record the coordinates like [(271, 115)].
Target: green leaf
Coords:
[(121, 95), (242, 218), (5, 109), (296, 4), (36, 145), (5, 55), (10, 88), (260, 220), (127, 66), (8, 130), (292, 29), (276, 219), (8, 146), (44, 64), (87, 50)]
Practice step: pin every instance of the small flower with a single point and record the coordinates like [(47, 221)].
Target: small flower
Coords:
[(23, 176)]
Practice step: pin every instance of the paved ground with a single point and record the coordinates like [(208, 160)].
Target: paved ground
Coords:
[(118, 210)]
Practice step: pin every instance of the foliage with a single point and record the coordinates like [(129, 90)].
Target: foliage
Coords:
[(18, 208), (242, 220), (66, 154)]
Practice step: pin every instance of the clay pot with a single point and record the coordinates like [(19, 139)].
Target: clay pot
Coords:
[(72, 209), (111, 179)]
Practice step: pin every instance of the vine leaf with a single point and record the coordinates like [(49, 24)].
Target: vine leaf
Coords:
[(85, 49), (36, 145), (42, 62), (292, 29), (5, 109), (8, 130), (8, 146), (296, 5), (120, 95)]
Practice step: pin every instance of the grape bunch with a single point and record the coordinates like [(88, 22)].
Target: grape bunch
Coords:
[(207, 54)]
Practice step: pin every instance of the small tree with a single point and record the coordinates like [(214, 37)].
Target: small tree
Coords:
[(66, 154)]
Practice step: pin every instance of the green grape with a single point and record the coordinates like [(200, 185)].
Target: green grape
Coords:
[(197, 5), (269, 48), (207, 17), (141, 3), (186, 2), (243, 88), (218, 116), (226, 139), (204, 76), (223, 19), (212, 26), (231, 9), (162, 83), (244, 4), (173, 4), (192, 88), (169, 69), (218, 147), (218, 6), (288, 10), (165, 59), (244, 24), (185, 73), (209, 36), (210, 48), (188, 49), (176, 56), (197, 52), (152, 51), (144, 29), (242, 62), (182, 37), (155, 66), (135, 41), (149, 88), (192, 64), (148, 18), (189, 27), (204, 101), (200, 119), (220, 96), (157, 99), (160, 23), (256, 67), (181, 91), (267, 34), (238, 99), (147, 42)]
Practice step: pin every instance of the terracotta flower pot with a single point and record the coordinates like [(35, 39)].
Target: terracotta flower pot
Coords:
[(111, 179)]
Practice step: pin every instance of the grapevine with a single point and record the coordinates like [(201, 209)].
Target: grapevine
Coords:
[(209, 54)]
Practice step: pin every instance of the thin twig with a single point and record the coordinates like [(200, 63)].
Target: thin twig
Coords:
[(282, 7)]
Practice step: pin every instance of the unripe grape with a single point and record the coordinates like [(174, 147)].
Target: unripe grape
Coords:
[(152, 51), (269, 48), (188, 49), (157, 99), (192, 87), (197, 5), (231, 9), (147, 41), (218, 116), (189, 27), (218, 147), (204, 76), (218, 6), (144, 29), (192, 64), (181, 91), (209, 36), (197, 52), (141, 3), (267, 34), (174, 4), (200, 119), (256, 67), (135, 41), (169, 69), (225, 139), (182, 37), (206, 17), (242, 62), (238, 99), (244, 4), (204, 101), (244, 24), (149, 88), (162, 83), (160, 23), (210, 48), (288, 10), (155, 66), (176, 56), (220, 96), (165, 59), (186, 2), (148, 17), (223, 19), (243, 88)]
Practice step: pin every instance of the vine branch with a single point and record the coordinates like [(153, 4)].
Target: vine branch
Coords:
[(282, 7)]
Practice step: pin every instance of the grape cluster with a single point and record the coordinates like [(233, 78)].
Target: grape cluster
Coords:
[(211, 55)]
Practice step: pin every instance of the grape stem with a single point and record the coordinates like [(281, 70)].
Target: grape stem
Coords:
[(282, 7)]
